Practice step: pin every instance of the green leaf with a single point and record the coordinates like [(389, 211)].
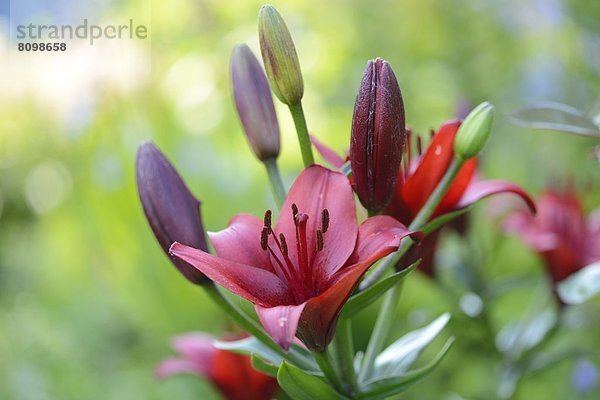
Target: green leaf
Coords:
[(263, 366), (581, 286), (518, 337), (249, 346), (252, 345), (371, 294), (403, 353), (385, 387), (556, 117), (443, 219), (301, 385)]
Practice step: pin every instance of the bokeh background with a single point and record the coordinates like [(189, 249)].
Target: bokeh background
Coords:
[(88, 301)]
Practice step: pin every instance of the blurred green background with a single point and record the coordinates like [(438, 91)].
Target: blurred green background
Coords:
[(88, 301)]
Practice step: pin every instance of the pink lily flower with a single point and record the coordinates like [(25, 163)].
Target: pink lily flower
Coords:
[(300, 272)]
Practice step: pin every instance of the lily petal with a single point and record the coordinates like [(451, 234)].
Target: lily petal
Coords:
[(373, 234), (173, 366), (328, 154), (318, 188), (240, 242), (432, 167), (197, 347), (317, 325), (477, 190), (254, 284), (281, 322)]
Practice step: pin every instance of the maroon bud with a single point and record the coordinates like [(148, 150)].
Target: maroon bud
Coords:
[(378, 135), (254, 103), (171, 209)]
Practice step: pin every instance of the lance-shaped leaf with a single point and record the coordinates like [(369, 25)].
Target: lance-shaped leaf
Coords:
[(402, 354), (581, 286), (370, 295), (556, 117), (383, 388), (171, 209), (301, 385)]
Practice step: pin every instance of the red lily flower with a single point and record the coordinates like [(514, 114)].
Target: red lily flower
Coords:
[(418, 178), (231, 373), (300, 272), (560, 233)]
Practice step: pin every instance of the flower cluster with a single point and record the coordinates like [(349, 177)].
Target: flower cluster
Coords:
[(301, 265)]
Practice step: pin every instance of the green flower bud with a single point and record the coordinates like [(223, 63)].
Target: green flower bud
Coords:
[(279, 56), (474, 131)]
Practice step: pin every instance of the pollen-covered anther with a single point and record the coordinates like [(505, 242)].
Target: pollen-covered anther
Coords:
[(419, 146), (284, 248), (267, 219), (264, 237), (294, 210), (324, 220), (319, 240)]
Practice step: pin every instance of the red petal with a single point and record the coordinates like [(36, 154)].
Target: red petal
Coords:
[(315, 189), (317, 324), (432, 167), (254, 284), (281, 322), (374, 234), (477, 190), (458, 187), (328, 154), (240, 242)]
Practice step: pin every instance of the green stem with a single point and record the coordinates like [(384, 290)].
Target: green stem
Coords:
[(302, 131), (420, 220), (344, 353), (329, 370), (381, 330), (242, 319), (384, 322), (276, 183)]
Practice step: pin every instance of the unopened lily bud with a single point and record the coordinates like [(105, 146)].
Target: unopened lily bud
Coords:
[(279, 56), (474, 131), (171, 210), (378, 135), (254, 103)]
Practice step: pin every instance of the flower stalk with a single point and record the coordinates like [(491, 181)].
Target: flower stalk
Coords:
[(277, 187), (302, 131)]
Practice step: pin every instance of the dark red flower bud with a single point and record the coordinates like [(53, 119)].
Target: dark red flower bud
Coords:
[(378, 135), (254, 103), (171, 209)]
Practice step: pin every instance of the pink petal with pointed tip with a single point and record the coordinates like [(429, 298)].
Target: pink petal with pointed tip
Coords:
[(197, 347), (254, 284), (281, 322), (173, 366), (240, 242), (327, 153), (477, 190), (315, 189)]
